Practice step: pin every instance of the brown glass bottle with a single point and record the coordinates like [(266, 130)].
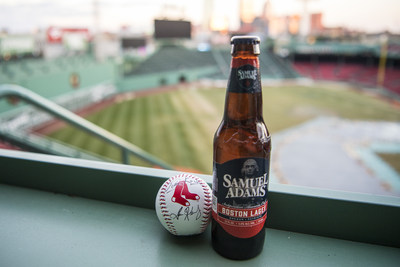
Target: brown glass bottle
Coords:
[(242, 149)]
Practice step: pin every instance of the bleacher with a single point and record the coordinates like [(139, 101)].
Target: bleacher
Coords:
[(169, 58), (350, 62), (350, 72), (274, 64), (52, 78), (15, 71), (180, 58)]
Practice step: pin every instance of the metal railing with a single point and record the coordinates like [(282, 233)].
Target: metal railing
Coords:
[(9, 90)]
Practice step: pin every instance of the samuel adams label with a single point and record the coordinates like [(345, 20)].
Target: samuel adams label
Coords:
[(240, 196)]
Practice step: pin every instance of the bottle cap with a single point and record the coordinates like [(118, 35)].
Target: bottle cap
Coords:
[(244, 43), (245, 40)]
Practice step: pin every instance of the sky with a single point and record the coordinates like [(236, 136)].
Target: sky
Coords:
[(22, 16)]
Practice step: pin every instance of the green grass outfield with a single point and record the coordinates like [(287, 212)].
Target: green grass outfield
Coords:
[(178, 126)]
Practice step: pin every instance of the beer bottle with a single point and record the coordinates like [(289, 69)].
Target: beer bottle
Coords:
[(242, 147)]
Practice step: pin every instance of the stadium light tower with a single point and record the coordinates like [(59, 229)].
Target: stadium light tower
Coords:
[(96, 27), (305, 19), (96, 16), (207, 14)]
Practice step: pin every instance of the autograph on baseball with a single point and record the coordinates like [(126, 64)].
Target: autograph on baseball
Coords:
[(188, 213)]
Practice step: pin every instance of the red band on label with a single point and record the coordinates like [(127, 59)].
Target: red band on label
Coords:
[(242, 223)]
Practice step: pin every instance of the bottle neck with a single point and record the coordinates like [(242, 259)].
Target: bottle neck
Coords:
[(243, 101)]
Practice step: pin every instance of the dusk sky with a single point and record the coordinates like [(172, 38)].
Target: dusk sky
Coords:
[(19, 16)]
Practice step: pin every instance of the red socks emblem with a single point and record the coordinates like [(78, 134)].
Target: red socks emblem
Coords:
[(181, 194)]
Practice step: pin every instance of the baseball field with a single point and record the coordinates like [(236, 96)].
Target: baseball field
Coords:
[(178, 126)]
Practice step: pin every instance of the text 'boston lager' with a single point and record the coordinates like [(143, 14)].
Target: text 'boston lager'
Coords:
[(242, 148)]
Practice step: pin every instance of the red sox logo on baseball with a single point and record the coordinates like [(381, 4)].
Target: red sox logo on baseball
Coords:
[(181, 194)]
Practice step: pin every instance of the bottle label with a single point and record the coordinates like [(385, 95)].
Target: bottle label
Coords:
[(240, 191), (244, 79)]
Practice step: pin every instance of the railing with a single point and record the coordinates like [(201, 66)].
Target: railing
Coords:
[(40, 144), (8, 90)]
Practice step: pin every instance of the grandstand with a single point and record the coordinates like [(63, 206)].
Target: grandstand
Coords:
[(359, 74), (173, 57), (53, 78), (348, 62), (183, 59)]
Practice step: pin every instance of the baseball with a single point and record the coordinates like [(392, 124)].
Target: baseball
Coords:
[(183, 205)]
